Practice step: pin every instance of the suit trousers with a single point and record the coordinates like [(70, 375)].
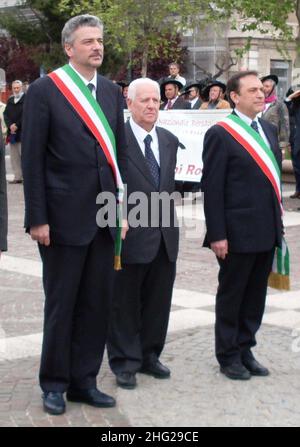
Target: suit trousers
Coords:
[(78, 284), (15, 160), (141, 309), (240, 303)]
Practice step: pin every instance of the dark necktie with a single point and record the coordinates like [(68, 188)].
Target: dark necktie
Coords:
[(91, 87), (255, 126), (151, 160)]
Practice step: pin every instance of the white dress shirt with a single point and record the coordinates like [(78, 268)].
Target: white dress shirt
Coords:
[(92, 81), (140, 134), (248, 121)]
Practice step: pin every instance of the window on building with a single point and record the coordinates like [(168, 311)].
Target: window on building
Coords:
[(282, 69)]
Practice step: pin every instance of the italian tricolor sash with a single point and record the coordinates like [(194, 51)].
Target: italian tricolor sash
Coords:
[(255, 145), (85, 105)]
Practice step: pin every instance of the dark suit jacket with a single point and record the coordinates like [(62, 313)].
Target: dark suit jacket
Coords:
[(197, 104), (13, 114), (3, 198), (179, 104), (142, 243), (239, 202), (63, 166)]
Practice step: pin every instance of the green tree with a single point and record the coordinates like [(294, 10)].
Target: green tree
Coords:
[(142, 24), (138, 25)]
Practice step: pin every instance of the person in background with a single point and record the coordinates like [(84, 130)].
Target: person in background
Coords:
[(275, 111), (13, 115), (170, 96), (3, 198), (292, 102), (124, 87), (174, 70), (2, 121), (192, 92), (214, 93)]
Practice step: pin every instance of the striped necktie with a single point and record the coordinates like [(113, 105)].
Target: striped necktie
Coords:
[(151, 160)]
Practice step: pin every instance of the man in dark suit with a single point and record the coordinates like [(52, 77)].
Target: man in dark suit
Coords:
[(244, 225), (192, 93), (143, 288), (65, 168), (3, 198), (170, 89)]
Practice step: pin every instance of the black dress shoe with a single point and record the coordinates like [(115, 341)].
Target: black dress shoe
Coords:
[(156, 370), (54, 403), (255, 368), (15, 182), (236, 371), (126, 380), (296, 195), (92, 397)]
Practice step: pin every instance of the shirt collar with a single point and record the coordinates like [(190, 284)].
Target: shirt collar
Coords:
[(139, 132), (92, 81), (245, 117)]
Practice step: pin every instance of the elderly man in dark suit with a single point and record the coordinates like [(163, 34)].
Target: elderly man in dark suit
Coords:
[(72, 118), (3, 198), (143, 288), (243, 218)]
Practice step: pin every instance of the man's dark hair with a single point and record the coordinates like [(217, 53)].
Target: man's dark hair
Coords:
[(233, 85)]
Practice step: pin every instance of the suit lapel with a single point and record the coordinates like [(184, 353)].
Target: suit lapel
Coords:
[(268, 134), (164, 157), (136, 155)]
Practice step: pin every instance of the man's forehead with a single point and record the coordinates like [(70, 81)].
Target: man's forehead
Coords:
[(250, 81), (86, 32), (146, 91)]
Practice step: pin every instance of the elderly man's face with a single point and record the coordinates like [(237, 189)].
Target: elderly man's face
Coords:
[(268, 87), (144, 107), (215, 93), (86, 50), (16, 88)]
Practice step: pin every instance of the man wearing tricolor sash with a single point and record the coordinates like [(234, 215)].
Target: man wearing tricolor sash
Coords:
[(242, 204), (73, 150)]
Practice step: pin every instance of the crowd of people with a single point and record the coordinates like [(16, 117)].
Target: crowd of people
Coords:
[(75, 149)]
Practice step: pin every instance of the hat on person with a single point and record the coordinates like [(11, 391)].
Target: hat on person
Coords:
[(196, 84), (270, 76), (216, 83), (166, 81), (122, 84)]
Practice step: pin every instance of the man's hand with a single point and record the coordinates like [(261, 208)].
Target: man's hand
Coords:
[(220, 248), (294, 95), (125, 228), (41, 234)]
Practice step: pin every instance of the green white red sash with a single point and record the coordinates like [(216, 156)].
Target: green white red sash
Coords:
[(85, 105), (255, 145)]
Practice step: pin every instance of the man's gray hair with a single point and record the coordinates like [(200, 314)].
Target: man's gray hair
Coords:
[(17, 81), (76, 22), (139, 82)]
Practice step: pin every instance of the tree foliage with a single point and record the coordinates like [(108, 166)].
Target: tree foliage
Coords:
[(141, 26)]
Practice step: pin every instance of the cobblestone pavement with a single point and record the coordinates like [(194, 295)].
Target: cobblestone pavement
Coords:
[(196, 395)]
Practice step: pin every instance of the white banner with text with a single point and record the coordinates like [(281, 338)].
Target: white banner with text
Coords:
[(190, 127)]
